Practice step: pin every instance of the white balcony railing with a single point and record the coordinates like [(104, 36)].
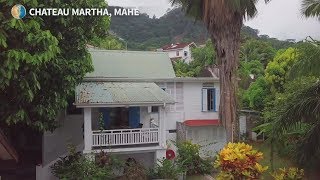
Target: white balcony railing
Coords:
[(118, 137)]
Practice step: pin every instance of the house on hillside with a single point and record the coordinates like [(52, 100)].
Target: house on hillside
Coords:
[(179, 51), (141, 107)]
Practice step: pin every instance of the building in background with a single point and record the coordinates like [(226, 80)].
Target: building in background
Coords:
[(179, 51)]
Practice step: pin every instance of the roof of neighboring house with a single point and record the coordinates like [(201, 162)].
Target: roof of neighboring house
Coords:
[(202, 122), (175, 79), (175, 59), (115, 94), (130, 64), (7, 152), (176, 46)]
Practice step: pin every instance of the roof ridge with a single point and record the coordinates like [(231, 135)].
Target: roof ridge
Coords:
[(125, 51)]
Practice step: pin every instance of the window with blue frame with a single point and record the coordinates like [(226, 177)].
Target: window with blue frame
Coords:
[(208, 99)]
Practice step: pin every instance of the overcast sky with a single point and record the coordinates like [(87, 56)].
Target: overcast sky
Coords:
[(279, 18)]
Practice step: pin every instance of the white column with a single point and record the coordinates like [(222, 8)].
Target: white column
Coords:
[(159, 155), (87, 130), (162, 127)]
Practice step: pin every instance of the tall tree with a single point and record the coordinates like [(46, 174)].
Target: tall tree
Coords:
[(43, 59), (224, 19)]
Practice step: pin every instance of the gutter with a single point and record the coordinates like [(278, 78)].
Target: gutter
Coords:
[(174, 79)]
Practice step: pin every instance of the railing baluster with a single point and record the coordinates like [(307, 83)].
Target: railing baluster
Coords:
[(125, 137)]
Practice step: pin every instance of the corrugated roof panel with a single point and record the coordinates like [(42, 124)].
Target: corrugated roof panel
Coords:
[(121, 93), (130, 64)]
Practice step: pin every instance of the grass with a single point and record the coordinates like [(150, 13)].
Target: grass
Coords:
[(278, 162)]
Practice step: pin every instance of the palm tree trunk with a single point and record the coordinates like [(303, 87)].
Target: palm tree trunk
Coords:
[(227, 53), (227, 46), (224, 26)]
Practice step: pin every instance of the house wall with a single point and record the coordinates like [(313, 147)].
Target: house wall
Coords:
[(55, 143), (188, 106), (193, 102), (187, 59)]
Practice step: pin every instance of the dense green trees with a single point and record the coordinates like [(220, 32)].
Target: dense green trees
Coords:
[(42, 60), (254, 49), (110, 42), (288, 97)]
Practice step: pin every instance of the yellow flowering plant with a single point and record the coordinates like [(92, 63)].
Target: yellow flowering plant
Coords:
[(291, 173), (239, 161)]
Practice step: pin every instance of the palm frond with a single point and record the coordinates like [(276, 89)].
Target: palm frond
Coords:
[(302, 106), (191, 7), (309, 146), (311, 8), (308, 63), (246, 8)]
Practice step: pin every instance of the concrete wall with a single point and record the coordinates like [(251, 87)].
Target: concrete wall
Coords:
[(55, 143), (211, 138)]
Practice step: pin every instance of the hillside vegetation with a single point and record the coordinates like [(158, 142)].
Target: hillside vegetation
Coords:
[(149, 33)]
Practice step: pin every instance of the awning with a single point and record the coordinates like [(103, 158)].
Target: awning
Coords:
[(201, 122), (117, 94)]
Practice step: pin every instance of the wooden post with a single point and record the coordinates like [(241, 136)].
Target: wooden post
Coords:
[(87, 130)]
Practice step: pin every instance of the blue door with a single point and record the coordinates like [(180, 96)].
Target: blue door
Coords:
[(106, 117), (134, 117)]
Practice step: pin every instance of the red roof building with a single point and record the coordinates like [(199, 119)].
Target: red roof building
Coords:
[(179, 51)]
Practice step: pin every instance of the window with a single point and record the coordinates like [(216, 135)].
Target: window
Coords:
[(155, 109), (177, 53), (208, 99), (185, 53)]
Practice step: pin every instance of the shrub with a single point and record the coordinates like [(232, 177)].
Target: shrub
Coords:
[(288, 174), (166, 169), (239, 161), (190, 160), (75, 166), (133, 171)]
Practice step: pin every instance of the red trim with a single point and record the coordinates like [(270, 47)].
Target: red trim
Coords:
[(202, 122)]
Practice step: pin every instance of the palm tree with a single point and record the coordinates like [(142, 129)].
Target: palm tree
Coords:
[(311, 8), (224, 19)]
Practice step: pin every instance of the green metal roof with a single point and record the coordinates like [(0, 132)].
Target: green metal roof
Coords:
[(130, 64), (120, 93)]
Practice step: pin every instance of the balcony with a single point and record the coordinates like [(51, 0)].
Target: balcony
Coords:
[(125, 137)]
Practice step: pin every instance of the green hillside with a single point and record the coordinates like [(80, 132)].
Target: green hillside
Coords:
[(149, 33)]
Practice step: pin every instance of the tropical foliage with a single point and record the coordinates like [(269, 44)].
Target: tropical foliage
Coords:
[(76, 166), (311, 8), (289, 174), (42, 60), (166, 169), (189, 159), (239, 161), (202, 57)]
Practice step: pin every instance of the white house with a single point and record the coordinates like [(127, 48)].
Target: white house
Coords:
[(179, 51), (141, 107)]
